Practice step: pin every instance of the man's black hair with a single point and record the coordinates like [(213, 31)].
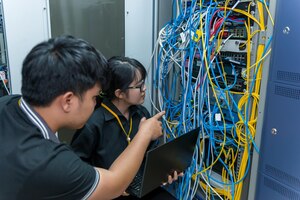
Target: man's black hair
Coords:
[(59, 65)]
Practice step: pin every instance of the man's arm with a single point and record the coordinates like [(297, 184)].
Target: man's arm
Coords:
[(115, 180)]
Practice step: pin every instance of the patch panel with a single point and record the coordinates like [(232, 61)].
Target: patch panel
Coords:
[(238, 32), (239, 57)]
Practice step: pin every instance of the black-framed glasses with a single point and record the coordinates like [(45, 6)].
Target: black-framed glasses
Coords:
[(141, 86)]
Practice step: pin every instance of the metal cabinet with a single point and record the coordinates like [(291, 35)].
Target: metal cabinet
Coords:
[(279, 163)]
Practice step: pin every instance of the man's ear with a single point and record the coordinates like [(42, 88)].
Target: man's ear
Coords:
[(67, 100), (119, 94)]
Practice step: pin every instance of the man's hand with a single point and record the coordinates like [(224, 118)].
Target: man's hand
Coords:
[(152, 126)]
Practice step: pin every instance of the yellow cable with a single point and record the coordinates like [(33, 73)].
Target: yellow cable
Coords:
[(242, 139), (268, 11), (246, 14)]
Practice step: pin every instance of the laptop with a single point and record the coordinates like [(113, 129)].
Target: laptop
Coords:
[(162, 161)]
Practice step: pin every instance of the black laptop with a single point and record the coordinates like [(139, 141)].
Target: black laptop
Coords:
[(162, 161)]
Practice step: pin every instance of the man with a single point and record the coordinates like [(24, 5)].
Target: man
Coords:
[(61, 79)]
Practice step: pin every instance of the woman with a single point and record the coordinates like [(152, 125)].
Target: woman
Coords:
[(115, 122)]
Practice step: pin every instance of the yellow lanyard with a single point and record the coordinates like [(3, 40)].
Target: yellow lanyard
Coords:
[(116, 116)]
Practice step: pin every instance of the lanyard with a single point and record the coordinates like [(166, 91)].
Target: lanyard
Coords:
[(116, 116)]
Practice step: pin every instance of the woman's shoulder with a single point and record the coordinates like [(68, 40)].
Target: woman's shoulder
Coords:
[(98, 115)]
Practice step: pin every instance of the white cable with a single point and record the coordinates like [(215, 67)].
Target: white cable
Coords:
[(203, 178)]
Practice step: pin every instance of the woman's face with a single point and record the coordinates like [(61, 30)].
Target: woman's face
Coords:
[(136, 91)]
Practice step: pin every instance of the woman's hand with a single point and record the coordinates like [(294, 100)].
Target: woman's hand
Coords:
[(174, 178)]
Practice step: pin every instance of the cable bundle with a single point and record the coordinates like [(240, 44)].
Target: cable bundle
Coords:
[(204, 78)]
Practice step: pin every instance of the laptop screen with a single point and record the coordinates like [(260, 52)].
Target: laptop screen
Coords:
[(165, 159)]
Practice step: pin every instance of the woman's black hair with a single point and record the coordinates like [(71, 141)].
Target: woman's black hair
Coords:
[(123, 71)]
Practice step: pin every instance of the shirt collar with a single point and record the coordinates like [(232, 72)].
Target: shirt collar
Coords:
[(37, 120), (108, 116)]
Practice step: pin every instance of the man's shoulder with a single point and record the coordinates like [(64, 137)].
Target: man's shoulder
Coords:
[(45, 158), (56, 168), (8, 99), (13, 121), (62, 164)]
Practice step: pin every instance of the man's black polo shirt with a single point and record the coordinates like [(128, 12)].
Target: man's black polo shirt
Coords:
[(32, 165), (102, 139)]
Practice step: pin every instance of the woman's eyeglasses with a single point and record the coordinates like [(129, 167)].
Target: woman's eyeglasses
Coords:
[(141, 86)]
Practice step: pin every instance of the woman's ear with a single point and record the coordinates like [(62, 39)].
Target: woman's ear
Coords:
[(119, 94)]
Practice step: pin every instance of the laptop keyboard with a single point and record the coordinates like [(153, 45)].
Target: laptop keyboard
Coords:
[(135, 186)]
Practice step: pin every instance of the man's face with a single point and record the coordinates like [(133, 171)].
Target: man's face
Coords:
[(84, 107)]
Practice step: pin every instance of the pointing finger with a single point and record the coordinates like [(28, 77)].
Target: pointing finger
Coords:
[(143, 119), (159, 115)]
